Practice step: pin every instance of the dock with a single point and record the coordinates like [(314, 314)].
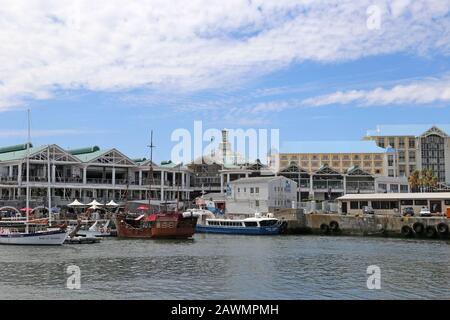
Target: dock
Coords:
[(387, 225), (82, 240)]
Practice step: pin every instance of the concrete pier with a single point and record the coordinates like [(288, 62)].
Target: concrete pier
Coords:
[(365, 225)]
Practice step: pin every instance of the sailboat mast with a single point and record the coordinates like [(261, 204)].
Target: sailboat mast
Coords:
[(27, 205), (49, 187), (151, 146)]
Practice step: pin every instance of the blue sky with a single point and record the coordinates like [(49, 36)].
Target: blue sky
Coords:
[(310, 70)]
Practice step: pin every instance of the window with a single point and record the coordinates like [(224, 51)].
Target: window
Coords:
[(251, 224), (406, 202), (390, 160), (257, 203), (412, 156), (384, 205), (363, 204), (421, 202), (245, 190), (239, 190), (354, 205), (391, 172), (394, 187), (401, 156), (257, 190), (412, 143), (447, 202), (401, 143), (404, 188), (392, 142), (252, 190), (381, 142)]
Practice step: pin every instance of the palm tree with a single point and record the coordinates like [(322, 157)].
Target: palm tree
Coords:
[(414, 180), (422, 180)]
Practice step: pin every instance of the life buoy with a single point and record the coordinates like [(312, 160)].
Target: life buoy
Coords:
[(324, 228), (334, 225), (442, 228), (418, 227), (430, 231), (406, 231)]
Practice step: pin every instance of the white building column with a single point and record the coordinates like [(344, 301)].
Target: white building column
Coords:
[(140, 177), (311, 188), (221, 183), (174, 178), (10, 172), (345, 184), (183, 180), (84, 175), (53, 173), (19, 174)]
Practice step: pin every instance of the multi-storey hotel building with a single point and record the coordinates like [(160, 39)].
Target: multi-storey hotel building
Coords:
[(415, 147)]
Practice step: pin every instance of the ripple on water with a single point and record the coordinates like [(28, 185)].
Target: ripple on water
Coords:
[(230, 267)]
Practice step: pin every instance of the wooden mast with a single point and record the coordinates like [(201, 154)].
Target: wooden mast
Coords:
[(151, 146)]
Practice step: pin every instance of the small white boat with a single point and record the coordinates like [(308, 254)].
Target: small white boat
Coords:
[(45, 236), (100, 228)]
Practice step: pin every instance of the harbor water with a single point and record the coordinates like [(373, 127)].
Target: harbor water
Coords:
[(230, 267)]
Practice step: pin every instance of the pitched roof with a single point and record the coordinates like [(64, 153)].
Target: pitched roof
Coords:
[(257, 179), (86, 157), (364, 146), (405, 130), (21, 154)]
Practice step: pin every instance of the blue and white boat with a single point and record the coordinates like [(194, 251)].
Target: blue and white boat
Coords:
[(258, 225)]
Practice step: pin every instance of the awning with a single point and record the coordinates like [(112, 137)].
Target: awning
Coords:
[(76, 203), (112, 204), (94, 203)]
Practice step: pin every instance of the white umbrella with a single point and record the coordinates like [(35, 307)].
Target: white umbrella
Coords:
[(112, 204), (76, 203), (94, 203), (94, 207)]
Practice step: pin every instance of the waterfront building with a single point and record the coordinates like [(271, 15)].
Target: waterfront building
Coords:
[(246, 196), (415, 147), (390, 203), (86, 174)]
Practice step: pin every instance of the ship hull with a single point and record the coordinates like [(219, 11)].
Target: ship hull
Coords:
[(168, 228), (273, 230), (49, 238)]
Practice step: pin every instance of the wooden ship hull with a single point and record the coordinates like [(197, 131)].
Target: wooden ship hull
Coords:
[(156, 226)]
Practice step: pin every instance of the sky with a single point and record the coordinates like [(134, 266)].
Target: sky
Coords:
[(104, 73)]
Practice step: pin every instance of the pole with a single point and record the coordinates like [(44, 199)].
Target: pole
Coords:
[(49, 188), (27, 205), (151, 146)]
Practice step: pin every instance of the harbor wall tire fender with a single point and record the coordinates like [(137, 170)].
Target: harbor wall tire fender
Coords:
[(442, 228), (418, 227), (406, 231), (334, 226), (324, 228), (430, 231)]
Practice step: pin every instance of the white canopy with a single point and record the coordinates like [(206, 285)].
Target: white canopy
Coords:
[(112, 204), (76, 203), (94, 207), (94, 203)]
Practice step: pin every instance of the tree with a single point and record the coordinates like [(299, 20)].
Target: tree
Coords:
[(422, 180), (414, 180)]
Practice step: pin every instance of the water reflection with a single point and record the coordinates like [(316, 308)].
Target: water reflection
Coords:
[(230, 267)]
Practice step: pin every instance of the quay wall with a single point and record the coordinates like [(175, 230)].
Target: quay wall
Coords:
[(364, 225)]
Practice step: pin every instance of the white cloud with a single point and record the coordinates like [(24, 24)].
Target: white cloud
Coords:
[(177, 45), (419, 92)]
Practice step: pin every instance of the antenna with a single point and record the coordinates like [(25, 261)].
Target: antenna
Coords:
[(27, 205), (151, 146)]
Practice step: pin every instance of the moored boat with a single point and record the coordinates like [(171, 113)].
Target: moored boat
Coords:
[(155, 226), (258, 225)]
